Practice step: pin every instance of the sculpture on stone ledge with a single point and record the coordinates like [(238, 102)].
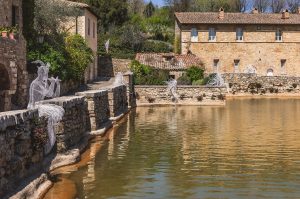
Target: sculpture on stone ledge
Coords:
[(39, 90)]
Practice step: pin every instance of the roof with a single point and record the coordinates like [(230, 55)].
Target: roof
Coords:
[(168, 61), (80, 5), (235, 18)]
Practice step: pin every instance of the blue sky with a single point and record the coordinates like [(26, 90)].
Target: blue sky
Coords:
[(157, 2)]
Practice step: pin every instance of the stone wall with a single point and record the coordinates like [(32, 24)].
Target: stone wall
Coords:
[(251, 83), (98, 107), (74, 124), (20, 151), (108, 66), (187, 95), (13, 58), (118, 102)]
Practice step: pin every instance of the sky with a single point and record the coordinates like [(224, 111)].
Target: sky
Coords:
[(157, 2)]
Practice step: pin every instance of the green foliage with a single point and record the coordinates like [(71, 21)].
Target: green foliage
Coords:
[(195, 73), (145, 75), (149, 10), (184, 80), (28, 19), (157, 46), (110, 12), (79, 56), (177, 44)]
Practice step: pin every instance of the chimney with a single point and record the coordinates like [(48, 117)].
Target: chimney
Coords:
[(285, 14), (255, 11), (221, 13)]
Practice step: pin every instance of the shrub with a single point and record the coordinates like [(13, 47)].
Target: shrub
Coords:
[(294, 85), (184, 80), (221, 97), (195, 73), (145, 75), (156, 46), (79, 56), (199, 98), (151, 99), (182, 96)]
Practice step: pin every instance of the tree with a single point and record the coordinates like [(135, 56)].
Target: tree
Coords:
[(49, 15), (149, 10), (277, 5), (136, 7), (262, 5), (293, 5), (110, 12), (241, 5)]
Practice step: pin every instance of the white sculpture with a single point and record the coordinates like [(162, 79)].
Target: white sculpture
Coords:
[(172, 88), (250, 69), (119, 80), (39, 89), (218, 81)]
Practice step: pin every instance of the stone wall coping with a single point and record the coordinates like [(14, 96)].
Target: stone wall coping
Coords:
[(112, 87), (65, 101), (11, 118), (92, 93), (179, 86)]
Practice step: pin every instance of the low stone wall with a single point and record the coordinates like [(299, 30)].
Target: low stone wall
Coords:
[(118, 102), (74, 125), (20, 151), (98, 107), (187, 95), (251, 83)]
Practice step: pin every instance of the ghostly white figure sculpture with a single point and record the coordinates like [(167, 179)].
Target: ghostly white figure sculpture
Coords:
[(39, 89), (172, 88), (119, 79)]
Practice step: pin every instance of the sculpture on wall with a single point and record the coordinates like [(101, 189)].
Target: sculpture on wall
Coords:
[(39, 90), (172, 88)]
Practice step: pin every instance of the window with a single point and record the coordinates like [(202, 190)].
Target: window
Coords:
[(239, 34), (236, 65), (216, 65), (194, 35), (212, 34), (89, 27), (282, 66), (278, 35), (15, 16), (94, 30)]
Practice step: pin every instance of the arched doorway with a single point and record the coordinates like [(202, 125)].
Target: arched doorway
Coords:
[(4, 88)]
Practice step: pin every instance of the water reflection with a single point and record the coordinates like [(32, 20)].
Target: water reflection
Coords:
[(248, 149)]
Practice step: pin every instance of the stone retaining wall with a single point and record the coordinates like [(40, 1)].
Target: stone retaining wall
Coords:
[(251, 83), (187, 95), (98, 107), (74, 124), (118, 102), (20, 152), (23, 134)]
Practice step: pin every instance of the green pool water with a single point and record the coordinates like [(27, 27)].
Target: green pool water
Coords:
[(248, 149)]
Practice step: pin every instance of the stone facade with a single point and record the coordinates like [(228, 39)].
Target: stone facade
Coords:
[(13, 72), (98, 107), (258, 46), (187, 95), (262, 85)]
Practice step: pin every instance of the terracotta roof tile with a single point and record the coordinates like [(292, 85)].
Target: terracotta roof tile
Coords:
[(168, 61), (235, 18)]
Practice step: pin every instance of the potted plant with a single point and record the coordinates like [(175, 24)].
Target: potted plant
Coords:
[(3, 31), (12, 32)]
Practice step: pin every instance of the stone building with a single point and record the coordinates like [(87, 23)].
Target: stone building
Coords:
[(86, 26), (13, 72), (175, 64), (267, 44)]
